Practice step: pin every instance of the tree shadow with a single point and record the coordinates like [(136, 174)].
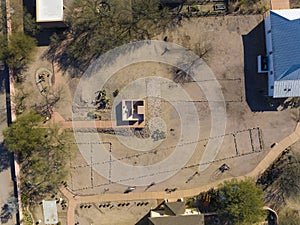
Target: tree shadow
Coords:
[(5, 214), (5, 158), (61, 44), (2, 82), (58, 52), (256, 85), (8, 210), (47, 31)]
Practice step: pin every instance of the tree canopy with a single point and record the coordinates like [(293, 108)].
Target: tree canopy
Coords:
[(24, 136), (42, 155), (240, 202), (17, 51)]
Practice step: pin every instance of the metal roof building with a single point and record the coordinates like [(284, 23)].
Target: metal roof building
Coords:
[(282, 31)]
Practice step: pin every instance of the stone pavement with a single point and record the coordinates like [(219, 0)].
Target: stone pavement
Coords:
[(101, 124), (74, 200)]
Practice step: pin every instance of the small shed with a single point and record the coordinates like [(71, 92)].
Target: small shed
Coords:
[(50, 212), (49, 11)]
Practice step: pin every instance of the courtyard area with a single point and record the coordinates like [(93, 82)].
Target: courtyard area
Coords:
[(113, 160), (197, 114)]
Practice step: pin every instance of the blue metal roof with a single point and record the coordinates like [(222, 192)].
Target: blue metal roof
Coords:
[(293, 73), (286, 47)]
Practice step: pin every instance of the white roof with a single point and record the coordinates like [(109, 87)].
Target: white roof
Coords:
[(286, 88), (50, 212), (49, 10), (290, 14)]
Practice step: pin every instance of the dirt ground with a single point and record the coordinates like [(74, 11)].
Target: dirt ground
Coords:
[(222, 38), (37, 210), (294, 201), (105, 213), (248, 134)]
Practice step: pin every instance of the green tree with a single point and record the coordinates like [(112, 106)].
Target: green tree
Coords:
[(17, 52), (240, 202), (31, 27), (24, 136), (42, 154), (2, 17), (3, 47)]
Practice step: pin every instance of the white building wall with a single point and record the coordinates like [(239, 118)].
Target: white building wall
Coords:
[(286, 88), (269, 49)]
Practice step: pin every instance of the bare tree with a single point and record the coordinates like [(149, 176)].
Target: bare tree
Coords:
[(96, 26)]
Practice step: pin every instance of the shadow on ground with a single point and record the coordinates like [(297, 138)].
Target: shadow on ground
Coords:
[(2, 82), (4, 154), (256, 85), (119, 119), (44, 36), (9, 209), (5, 158), (144, 220), (47, 29)]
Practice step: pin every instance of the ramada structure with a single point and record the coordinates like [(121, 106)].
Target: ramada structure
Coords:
[(133, 112), (282, 61)]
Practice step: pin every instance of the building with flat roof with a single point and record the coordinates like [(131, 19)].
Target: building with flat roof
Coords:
[(50, 212), (49, 10), (282, 32), (133, 110)]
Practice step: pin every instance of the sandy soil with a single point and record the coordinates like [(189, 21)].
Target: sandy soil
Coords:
[(248, 134), (37, 210), (222, 37), (294, 202), (107, 215)]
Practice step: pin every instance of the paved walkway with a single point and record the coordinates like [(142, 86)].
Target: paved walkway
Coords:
[(101, 124), (74, 200), (280, 4)]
